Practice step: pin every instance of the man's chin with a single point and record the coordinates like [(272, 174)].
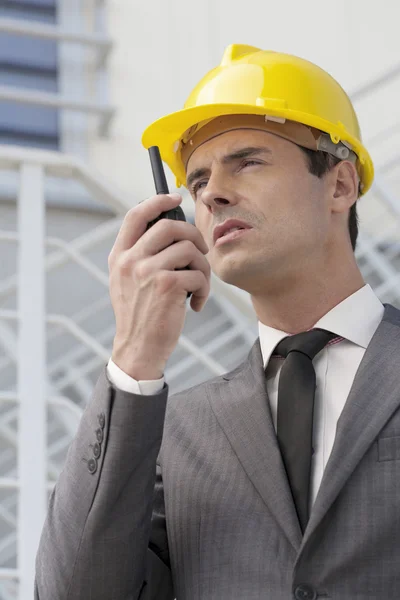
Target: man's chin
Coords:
[(237, 275), (251, 277)]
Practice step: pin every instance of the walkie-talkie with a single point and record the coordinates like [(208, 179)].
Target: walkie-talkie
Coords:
[(160, 182)]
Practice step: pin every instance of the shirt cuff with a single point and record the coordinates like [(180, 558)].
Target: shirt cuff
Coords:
[(125, 383)]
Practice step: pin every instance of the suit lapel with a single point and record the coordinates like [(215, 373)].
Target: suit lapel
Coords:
[(373, 398), (241, 405)]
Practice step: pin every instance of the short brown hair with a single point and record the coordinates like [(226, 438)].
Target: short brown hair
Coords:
[(320, 163)]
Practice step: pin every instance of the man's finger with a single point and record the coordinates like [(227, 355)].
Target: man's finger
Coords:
[(137, 218)]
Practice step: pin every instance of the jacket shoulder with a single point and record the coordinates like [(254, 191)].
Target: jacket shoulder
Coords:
[(198, 390)]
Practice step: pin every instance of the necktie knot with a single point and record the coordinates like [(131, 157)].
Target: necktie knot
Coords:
[(309, 343)]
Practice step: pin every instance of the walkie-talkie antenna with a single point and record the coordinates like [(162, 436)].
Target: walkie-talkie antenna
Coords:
[(160, 180)]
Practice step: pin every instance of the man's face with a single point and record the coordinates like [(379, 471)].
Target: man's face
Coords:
[(269, 187)]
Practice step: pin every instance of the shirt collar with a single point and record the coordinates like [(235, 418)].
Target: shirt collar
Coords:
[(356, 319)]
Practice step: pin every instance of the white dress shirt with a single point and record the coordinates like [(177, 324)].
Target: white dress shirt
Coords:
[(355, 321)]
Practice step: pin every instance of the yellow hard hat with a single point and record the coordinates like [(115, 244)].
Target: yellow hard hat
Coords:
[(252, 81)]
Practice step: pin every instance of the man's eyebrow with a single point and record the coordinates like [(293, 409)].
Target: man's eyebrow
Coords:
[(229, 158), (196, 174), (245, 153)]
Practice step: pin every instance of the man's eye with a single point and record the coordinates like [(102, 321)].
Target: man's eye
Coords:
[(250, 163), (197, 186)]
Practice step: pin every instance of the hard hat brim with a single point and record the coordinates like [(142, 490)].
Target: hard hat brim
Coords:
[(168, 130)]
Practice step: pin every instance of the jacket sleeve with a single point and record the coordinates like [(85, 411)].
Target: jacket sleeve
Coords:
[(105, 534)]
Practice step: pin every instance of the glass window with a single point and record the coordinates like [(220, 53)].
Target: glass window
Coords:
[(31, 64)]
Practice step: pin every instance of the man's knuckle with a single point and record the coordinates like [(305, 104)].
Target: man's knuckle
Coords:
[(204, 280), (132, 213), (165, 281), (169, 225), (140, 269), (188, 247), (125, 263)]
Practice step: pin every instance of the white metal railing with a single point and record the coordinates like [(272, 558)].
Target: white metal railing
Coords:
[(58, 401), (68, 324), (66, 167), (57, 259)]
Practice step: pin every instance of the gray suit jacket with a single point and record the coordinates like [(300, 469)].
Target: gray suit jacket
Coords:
[(215, 519)]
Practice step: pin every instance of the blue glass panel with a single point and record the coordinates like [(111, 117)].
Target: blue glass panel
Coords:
[(31, 64), (29, 52)]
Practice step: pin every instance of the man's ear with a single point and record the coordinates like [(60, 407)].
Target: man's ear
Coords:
[(345, 186)]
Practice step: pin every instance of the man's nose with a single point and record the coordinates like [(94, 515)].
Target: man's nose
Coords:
[(217, 193)]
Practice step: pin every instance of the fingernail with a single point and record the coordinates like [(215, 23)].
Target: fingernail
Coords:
[(175, 196)]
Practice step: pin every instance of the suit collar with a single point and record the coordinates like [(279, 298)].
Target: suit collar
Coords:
[(356, 319)]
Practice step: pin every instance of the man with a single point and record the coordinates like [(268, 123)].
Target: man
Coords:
[(280, 479)]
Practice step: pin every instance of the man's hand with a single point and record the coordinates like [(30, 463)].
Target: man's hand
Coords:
[(148, 294)]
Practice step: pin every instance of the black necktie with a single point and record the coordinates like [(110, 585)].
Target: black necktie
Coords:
[(296, 392)]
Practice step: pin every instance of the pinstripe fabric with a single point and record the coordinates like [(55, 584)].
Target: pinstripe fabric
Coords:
[(223, 523)]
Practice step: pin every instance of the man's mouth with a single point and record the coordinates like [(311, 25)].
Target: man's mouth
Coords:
[(228, 228)]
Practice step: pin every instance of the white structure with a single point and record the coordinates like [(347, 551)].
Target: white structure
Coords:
[(121, 65)]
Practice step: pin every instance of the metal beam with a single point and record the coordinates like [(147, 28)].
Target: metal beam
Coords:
[(58, 401), (56, 259), (49, 32), (69, 167), (70, 413), (74, 255), (237, 297), (32, 459), (76, 331), (375, 84), (47, 100), (382, 189), (9, 574)]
